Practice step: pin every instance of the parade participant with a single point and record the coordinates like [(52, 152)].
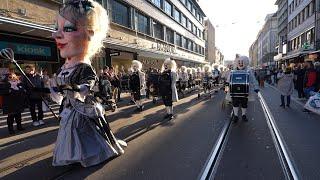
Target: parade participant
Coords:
[(84, 136), (206, 78), (189, 72), (216, 74), (183, 78), (14, 102), (240, 99), (168, 88), (138, 84)]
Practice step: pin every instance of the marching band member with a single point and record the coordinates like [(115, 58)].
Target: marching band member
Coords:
[(138, 84), (168, 88), (84, 135), (241, 63)]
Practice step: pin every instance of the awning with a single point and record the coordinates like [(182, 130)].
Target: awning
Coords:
[(302, 53), (25, 28), (277, 57), (114, 44)]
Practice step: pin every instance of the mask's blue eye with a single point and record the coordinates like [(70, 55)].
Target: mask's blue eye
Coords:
[(69, 29)]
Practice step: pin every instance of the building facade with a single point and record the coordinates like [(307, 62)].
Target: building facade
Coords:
[(152, 30), (301, 30), (209, 34), (266, 42), (282, 17), (26, 27), (219, 57), (253, 54)]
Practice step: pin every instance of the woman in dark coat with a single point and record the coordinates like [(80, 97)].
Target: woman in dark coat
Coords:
[(14, 102)]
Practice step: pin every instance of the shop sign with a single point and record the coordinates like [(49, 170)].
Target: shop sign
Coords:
[(166, 48), (30, 49), (26, 49)]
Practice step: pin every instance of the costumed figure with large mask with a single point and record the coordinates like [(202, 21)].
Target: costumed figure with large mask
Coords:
[(215, 74), (183, 80), (84, 135), (168, 88), (241, 81), (206, 80), (138, 84)]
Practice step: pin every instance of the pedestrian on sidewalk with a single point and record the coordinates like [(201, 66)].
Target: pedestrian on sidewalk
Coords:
[(34, 94), (84, 135), (310, 79), (317, 67), (14, 102), (286, 86), (299, 78)]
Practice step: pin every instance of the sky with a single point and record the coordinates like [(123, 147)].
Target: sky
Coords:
[(237, 23)]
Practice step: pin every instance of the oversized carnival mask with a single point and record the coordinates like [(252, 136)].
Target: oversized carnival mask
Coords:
[(135, 67), (242, 62)]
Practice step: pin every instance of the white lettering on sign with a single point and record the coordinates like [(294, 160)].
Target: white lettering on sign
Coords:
[(166, 48), (30, 50)]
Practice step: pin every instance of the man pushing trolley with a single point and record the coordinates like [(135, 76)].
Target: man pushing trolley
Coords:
[(241, 81)]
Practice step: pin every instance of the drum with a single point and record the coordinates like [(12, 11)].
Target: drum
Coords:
[(239, 83)]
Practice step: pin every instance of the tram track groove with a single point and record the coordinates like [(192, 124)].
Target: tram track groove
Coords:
[(286, 161), (212, 163)]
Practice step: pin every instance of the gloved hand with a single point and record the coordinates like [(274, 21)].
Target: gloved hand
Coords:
[(256, 90)]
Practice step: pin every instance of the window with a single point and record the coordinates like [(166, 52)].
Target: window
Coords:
[(311, 8), (189, 5), (189, 45), (195, 30), (189, 25), (120, 13), (306, 12), (142, 23), (193, 11), (183, 20), (168, 8), (157, 3), (198, 16), (170, 36), (195, 47), (199, 33), (184, 42), (178, 40), (157, 30), (177, 15)]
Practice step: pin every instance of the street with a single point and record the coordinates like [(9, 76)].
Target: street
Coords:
[(179, 148)]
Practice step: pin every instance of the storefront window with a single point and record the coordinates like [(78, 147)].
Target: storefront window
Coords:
[(142, 23), (120, 13), (169, 36)]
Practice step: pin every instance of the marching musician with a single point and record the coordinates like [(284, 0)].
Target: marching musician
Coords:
[(138, 84), (241, 63), (168, 89)]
